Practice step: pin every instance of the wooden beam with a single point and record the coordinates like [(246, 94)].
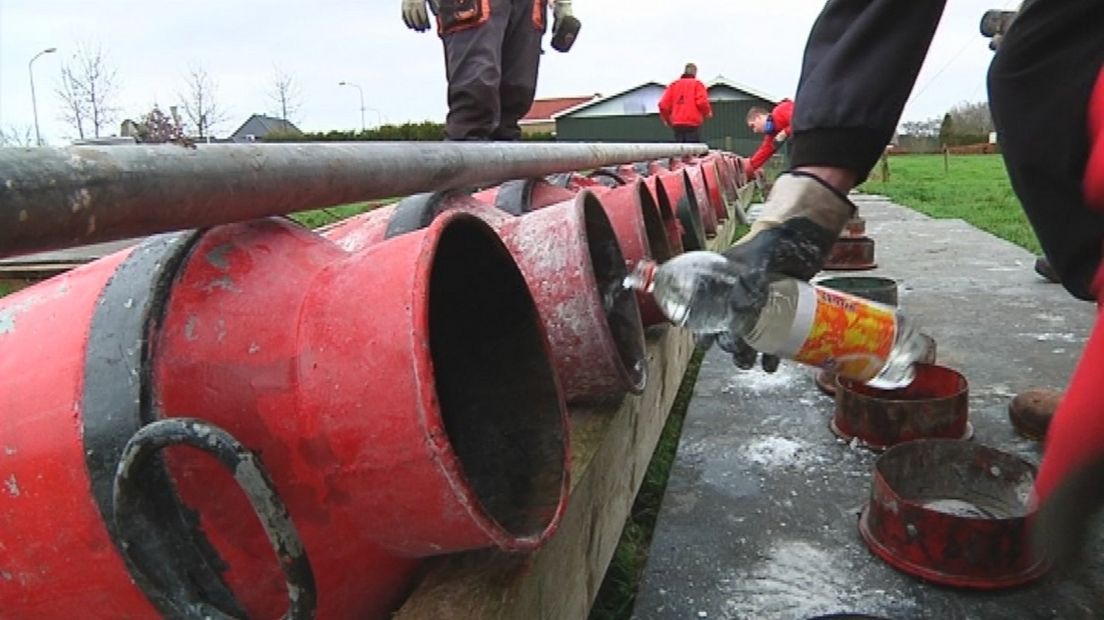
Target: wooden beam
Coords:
[(611, 449)]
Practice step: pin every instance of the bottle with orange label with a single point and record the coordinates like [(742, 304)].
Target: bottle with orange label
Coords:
[(861, 339)]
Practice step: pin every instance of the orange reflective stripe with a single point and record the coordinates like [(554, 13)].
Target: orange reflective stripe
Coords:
[(465, 19), (539, 14)]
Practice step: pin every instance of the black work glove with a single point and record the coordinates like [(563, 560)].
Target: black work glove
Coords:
[(995, 24), (801, 219)]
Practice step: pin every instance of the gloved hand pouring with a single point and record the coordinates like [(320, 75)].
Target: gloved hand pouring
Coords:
[(802, 218)]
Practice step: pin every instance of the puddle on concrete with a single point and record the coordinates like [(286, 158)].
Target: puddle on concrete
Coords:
[(797, 579)]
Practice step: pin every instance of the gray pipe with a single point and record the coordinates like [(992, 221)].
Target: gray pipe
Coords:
[(55, 198)]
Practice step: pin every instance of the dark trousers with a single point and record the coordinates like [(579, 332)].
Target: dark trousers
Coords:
[(686, 133), (492, 73), (1040, 82)]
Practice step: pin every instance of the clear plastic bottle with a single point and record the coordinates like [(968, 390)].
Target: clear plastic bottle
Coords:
[(861, 339)]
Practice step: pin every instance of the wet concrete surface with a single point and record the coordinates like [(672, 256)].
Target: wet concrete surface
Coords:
[(760, 515)]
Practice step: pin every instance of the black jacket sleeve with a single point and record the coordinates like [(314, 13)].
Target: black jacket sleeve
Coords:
[(860, 64)]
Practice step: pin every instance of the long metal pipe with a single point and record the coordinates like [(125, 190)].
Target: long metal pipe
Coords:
[(54, 198)]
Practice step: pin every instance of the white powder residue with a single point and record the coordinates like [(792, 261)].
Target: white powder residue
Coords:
[(758, 381), (1053, 337), (779, 452), (1049, 318), (13, 486), (800, 580), (1001, 390)]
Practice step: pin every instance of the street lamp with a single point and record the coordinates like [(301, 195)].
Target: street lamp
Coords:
[(379, 117), (361, 90), (34, 103)]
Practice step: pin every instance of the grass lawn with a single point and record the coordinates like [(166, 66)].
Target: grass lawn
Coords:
[(329, 215), (5, 289), (974, 188)]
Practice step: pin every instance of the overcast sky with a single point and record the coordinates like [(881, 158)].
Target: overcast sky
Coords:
[(152, 43)]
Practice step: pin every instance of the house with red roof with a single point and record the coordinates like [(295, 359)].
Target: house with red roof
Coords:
[(539, 119)]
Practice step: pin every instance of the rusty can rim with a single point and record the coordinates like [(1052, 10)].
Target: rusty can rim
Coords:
[(855, 401), (943, 577), (893, 504)]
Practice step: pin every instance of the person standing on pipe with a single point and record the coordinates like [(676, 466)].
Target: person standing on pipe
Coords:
[(685, 106), (492, 53), (861, 61)]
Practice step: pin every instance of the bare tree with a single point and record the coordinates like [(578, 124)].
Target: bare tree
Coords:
[(972, 118), (200, 107), (87, 90), (284, 94), (75, 112), (17, 136), (922, 129)]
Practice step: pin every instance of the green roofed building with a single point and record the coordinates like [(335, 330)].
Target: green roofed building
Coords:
[(631, 115)]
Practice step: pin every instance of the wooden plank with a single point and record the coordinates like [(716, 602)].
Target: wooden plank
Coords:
[(72, 257), (745, 195), (36, 270), (611, 449), (49, 264)]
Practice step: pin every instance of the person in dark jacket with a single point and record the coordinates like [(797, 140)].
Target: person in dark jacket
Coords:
[(685, 106), (775, 127), (492, 53), (860, 64)]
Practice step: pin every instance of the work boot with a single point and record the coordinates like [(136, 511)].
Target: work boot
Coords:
[(1043, 268), (1031, 411)]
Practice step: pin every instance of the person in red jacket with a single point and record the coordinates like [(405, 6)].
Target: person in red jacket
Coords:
[(775, 128), (685, 106)]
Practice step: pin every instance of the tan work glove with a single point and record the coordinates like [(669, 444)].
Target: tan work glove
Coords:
[(415, 15)]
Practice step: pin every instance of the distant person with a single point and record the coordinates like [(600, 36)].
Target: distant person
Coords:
[(685, 106), (492, 53), (775, 127)]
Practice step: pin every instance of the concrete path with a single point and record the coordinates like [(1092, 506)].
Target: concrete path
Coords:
[(760, 515)]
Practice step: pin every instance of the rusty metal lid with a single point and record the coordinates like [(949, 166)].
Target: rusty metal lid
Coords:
[(874, 288), (851, 254), (934, 405), (954, 513)]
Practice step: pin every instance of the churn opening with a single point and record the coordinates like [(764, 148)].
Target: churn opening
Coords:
[(653, 225), (499, 398), (618, 302)]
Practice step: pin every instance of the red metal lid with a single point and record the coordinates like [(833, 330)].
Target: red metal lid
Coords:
[(954, 513)]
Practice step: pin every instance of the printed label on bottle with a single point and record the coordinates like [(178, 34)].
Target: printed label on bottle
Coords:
[(850, 334)]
